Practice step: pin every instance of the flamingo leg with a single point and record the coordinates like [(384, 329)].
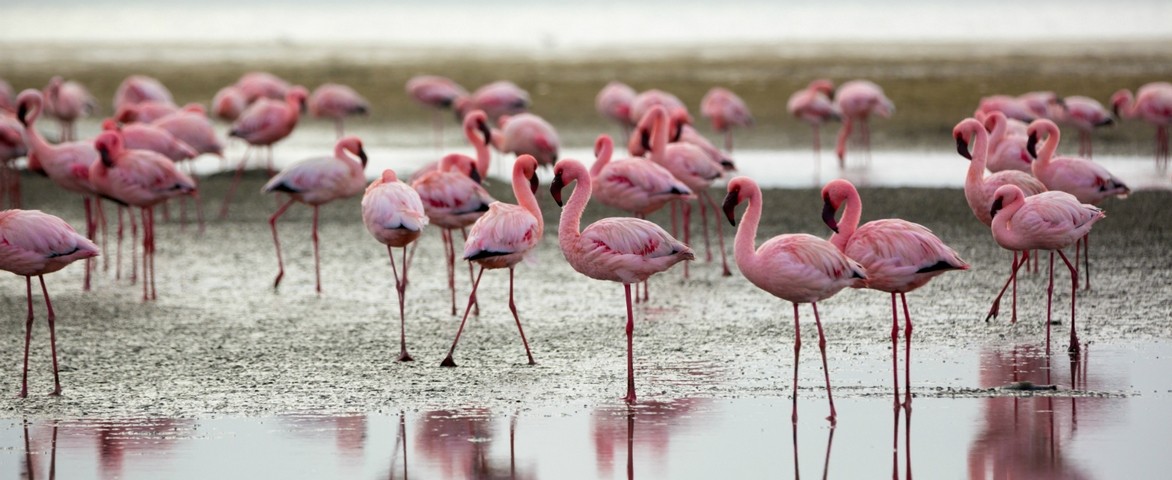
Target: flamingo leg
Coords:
[(28, 335), (90, 227), (277, 242), (316, 253), (797, 348), (1086, 252), (865, 140), (513, 308), (719, 234), (1074, 346), (825, 370), (704, 224), (105, 233), (401, 290), (338, 127), (118, 236), (1049, 299), (993, 310), (907, 354), (840, 146), (895, 348), (448, 362), (133, 246), (475, 302), (817, 155), (235, 183), (450, 255), (52, 317), (630, 398), (728, 140), (1014, 268), (687, 214), (894, 446), (146, 239), (150, 212)]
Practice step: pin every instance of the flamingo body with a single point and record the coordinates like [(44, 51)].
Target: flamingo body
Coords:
[(229, 102), (136, 89), (613, 103), (139, 136), (632, 184), (392, 211), (316, 181), (193, 128), (496, 99), (258, 85), (857, 101), (1086, 180), (529, 134)]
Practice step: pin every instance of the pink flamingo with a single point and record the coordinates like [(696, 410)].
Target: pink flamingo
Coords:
[(438, 93), (136, 89), (1047, 221), (979, 187), (68, 101), (624, 250), (1010, 106), (1084, 114), (814, 106), (1041, 104), (857, 100), (393, 213), (644, 101), (798, 268), (12, 147), (258, 85), (262, 124), (144, 112), (139, 178), (36, 243), (633, 185), (613, 103), (502, 237), (7, 100), (66, 164), (1007, 144), (142, 136), (899, 256), (725, 110), (315, 182), (453, 198), (229, 102), (529, 134), (1153, 104), (690, 165), (332, 100), (191, 125), (480, 135), (1088, 181), (496, 99)]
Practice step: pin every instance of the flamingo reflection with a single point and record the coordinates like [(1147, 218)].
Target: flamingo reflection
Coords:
[(134, 438), (825, 459), (34, 450), (400, 445), (656, 424), (459, 442)]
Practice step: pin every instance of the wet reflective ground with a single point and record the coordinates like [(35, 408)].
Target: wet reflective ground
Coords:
[(1113, 425)]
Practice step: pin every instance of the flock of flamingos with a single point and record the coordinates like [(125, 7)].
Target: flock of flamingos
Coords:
[(1032, 200)]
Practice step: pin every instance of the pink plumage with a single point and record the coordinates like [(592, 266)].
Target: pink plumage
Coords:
[(726, 111), (258, 85), (229, 102), (644, 101), (529, 134), (267, 121), (434, 91), (633, 185), (335, 101), (497, 98), (1007, 144), (145, 112), (613, 103), (1084, 114), (814, 106), (479, 135), (857, 101), (136, 89), (68, 101), (193, 128), (1152, 103), (979, 187), (140, 136), (1086, 180)]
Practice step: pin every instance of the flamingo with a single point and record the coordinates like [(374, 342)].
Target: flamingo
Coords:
[(798, 268), (480, 135), (1088, 181), (624, 250), (497, 98), (633, 185), (262, 124), (36, 243), (393, 213), (258, 85), (145, 111), (530, 134), (453, 198), (1047, 221), (438, 93), (68, 101), (136, 89), (1042, 104), (332, 100), (139, 178), (979, 187), (12, 147), (229, 102), (315, 182), (66, 164), (857, 100), (502, 237), (690, 165), (725, 110), (1007, 144), (1010, 106), (192, 125), (1084, 114), (814, 106), (613, 103), (1153, 104), (644, 101), (141, 136), (899, 256)]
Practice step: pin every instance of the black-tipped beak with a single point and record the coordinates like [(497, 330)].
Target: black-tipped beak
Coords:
[(727, 164), (645, 140), (475, 175), (484, 130), (533, 183), (828, 212), (679, 132), (962, 147), (1115, 111), (1032, 145), (107, 160), (362, 156), (730, 205), (21, 113), (1106, 121), (996, 207), (555, 188)]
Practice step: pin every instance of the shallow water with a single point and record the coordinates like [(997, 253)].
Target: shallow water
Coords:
[(1111, 426)]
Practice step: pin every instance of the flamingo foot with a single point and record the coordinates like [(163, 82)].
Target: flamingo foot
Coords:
[(277, 281), (406, 357), (448, 362), (56, 392), (833, 419), (630, 398), (994, 309)]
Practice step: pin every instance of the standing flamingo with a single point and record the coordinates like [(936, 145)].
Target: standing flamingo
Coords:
[(145, 111), (979, 187), (1007, 144), (1042, 103), (899, 256), (68, 101), (228, 103), (264, 123), (66, 164), (857, 100), (453, 199), (1047, 221), (613, 103), (143, 136), (136, 89), (1088, 181), (497, 98), (393, 213), (193, 127), (814, 106), (1084, 114), (1153, 104), (529, 134), (1010, 106), (502, 237), (335, 101), (139, 178), (258, 85), (7, 100), (438, 93), (36, 243), (624, 250), (314, 182), (725, 110), (798, 268), (648, 99), (480, 135)]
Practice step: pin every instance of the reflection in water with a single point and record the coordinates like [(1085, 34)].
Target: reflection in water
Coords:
[(1023, 436), (135, 438), (400, 439), (656, 423), (34, 449), (459, 442), (825, 460)]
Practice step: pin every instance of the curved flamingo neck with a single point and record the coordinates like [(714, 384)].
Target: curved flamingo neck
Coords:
[(603, 150), (851, 214), (980, 153), (483, 158), (744, 245), (659, 131), (525, 197), (1001, 220), (1049, 147), (569, 226), (1000, 125)]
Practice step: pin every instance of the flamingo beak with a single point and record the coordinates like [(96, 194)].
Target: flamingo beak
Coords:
[(533, 183), (104, 151), (362, 156), (962, 147), (486, 131), (555, 188), (828, 212), (1032, 145), (475, 175), (730, 205), (645, 139), (996, 207), (21, 113)]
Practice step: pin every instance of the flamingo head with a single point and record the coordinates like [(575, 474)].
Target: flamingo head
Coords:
[(526, 165), (566, 172), (108, 143), (731, 200), (1032, 144), (556, 186), (829, 209), (1120, 100)]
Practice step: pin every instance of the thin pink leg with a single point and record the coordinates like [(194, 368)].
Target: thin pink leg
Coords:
[(118, 236), (797, 348), (704, 224), (146, 249), (1013, 268), (513, 308), (102, 224), (52, 317), (728, 140), (150, 211), (28, 335), (450, 255), (1086, 258), (235, 183), (1074, 346), (448, 362), (630, 398), (401, 290), (817, 156), (719, 234), (475, 301), (1049, 299), (133, 246), (907, 355), (825, 370), (687, 208), (316, 253), (277, 242), (993, 310), (895, 348), (90, 227)]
